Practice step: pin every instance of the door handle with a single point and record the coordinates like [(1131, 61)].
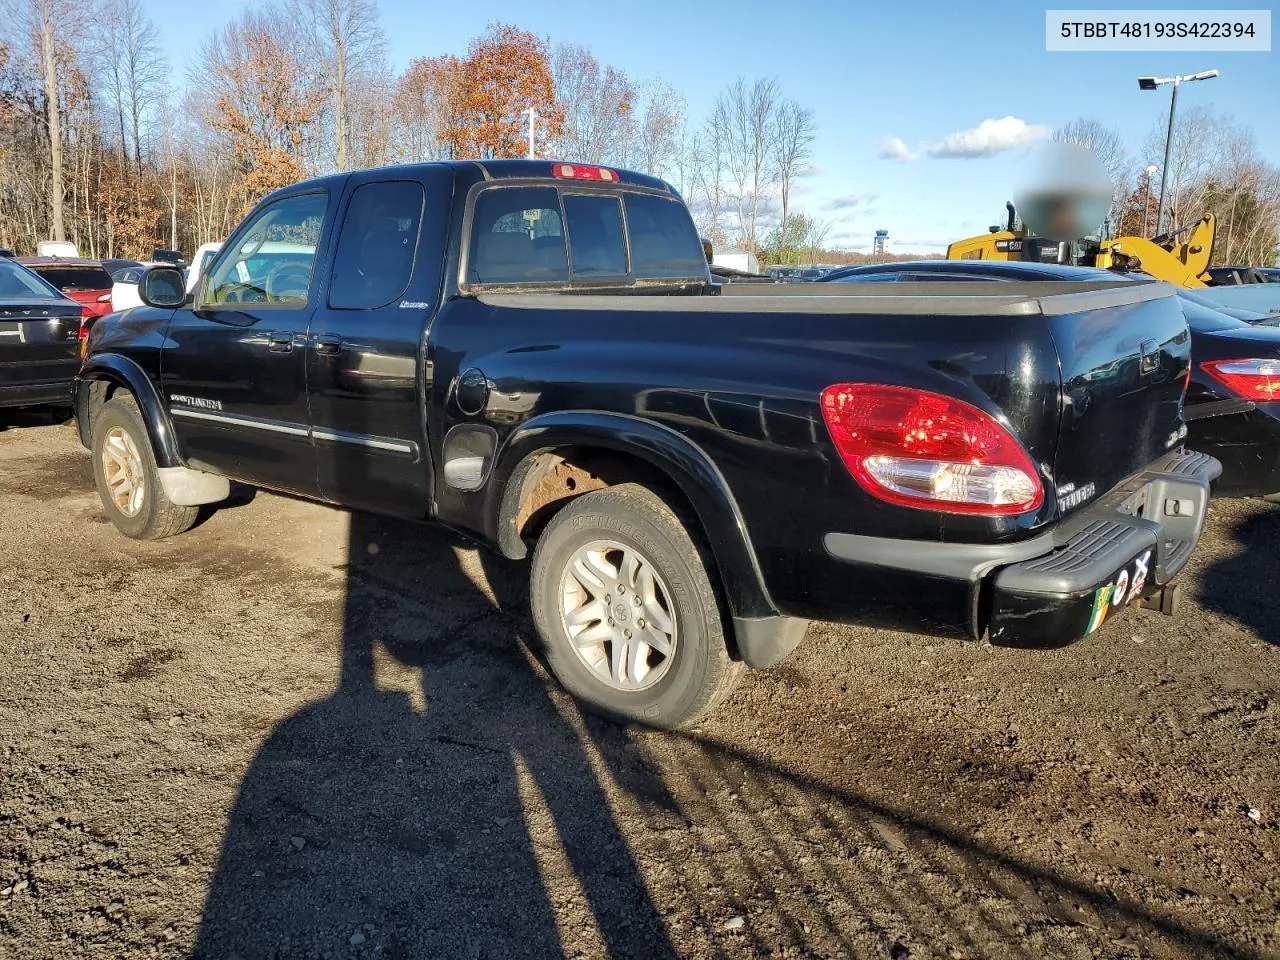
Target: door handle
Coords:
[(327, 344), (280, 343)]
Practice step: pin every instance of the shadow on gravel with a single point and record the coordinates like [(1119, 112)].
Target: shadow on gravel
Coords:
[(433, 819), (1244, 585), (462, 815), (909, 879)]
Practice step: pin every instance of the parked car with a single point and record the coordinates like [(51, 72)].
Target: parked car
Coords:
[(124, 285), (114, 265), (1261, 298), (57, 248), (6, 253), (1235, 276), (1233, 399), (84, 281), (526, 351), (200, 263), (40, 332)]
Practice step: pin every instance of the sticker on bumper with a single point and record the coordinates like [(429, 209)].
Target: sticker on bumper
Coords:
[(1123, 589)]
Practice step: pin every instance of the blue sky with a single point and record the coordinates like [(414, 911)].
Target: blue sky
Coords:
[(870, 71)]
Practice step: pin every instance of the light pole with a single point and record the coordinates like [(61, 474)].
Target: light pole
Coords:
[(1146, 213), (1151, 83), (532, 114)]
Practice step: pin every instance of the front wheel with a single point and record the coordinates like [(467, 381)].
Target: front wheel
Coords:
[(124, 469), (626, 609)]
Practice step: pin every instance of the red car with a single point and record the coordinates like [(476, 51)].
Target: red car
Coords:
[(84, 281)]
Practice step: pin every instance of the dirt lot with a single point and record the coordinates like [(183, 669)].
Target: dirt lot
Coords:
[(298, 732)]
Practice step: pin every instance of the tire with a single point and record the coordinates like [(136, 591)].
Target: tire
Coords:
[(149, 514), (669, 689)]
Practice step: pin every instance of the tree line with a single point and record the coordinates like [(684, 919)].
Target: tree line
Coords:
[(98, 146), (1215, 167), (102, 144)]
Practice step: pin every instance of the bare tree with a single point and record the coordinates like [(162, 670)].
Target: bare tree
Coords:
[(792, 145), (1199, 136), (348, 37), (816, 237), (599, 103), (746, 115), (54, 25), (661, 129), (708, 197)]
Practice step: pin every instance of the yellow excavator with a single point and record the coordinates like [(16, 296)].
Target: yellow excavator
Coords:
[(1180, 257)]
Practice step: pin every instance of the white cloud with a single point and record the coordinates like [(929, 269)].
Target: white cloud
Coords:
[(988, 138), (848, 201), (895, 148)]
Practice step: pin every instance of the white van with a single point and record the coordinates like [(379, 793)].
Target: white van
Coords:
[(56, 248)]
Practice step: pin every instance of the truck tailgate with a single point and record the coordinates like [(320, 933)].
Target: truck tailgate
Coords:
[(1124, 368)]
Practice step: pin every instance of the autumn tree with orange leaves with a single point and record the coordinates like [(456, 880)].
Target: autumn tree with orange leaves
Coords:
[(428, 107), (266, 101), (506, 71)]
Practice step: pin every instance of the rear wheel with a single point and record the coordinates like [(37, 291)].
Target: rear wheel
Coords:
[(124, 468), (626, 608)]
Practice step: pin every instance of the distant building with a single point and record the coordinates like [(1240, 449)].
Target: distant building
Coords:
[(878, 246)]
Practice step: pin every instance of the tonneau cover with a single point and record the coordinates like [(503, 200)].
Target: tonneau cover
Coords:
[(981, 298)]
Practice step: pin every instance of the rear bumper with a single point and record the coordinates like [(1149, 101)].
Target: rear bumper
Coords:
[(1057, 587), (35, 394)]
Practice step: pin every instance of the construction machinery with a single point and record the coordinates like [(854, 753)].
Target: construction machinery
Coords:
[(1180, 257)]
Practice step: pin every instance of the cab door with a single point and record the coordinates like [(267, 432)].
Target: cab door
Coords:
[(366, 369), (233, 370)]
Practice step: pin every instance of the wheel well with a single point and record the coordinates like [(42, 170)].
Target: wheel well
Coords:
[(554, 477), (100, 391)]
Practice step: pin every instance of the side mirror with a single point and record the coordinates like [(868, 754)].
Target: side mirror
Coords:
[(163, 287)]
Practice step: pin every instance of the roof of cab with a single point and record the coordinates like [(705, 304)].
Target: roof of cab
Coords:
[(498, 170)]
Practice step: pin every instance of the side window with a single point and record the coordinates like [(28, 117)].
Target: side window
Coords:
[(272, 259), (517, 237), (376, 245), (596, 244), (664, 241)]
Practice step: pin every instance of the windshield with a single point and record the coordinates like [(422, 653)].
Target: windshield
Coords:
[(76, 279), (18, 284)]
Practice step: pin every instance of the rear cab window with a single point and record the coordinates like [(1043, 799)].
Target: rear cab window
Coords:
[(526, 235), (76, 279)]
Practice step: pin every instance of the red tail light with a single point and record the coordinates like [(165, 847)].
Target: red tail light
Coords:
[(921, 449), (1252, 379), (84, 328), (576, 171)]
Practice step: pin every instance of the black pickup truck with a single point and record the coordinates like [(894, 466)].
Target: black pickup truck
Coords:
[(532, 353)]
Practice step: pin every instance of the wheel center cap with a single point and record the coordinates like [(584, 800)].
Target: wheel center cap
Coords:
[(621, 613)]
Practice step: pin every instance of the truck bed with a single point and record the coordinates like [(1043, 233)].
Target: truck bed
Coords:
[(997, 298)]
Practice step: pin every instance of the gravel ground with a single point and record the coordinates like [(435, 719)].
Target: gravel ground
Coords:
[(300, 732)]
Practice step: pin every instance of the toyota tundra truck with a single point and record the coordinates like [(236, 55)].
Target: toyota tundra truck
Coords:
[(532, 353)]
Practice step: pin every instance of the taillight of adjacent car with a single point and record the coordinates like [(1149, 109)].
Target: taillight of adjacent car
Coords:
[(1252, 379), (921, 449)]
